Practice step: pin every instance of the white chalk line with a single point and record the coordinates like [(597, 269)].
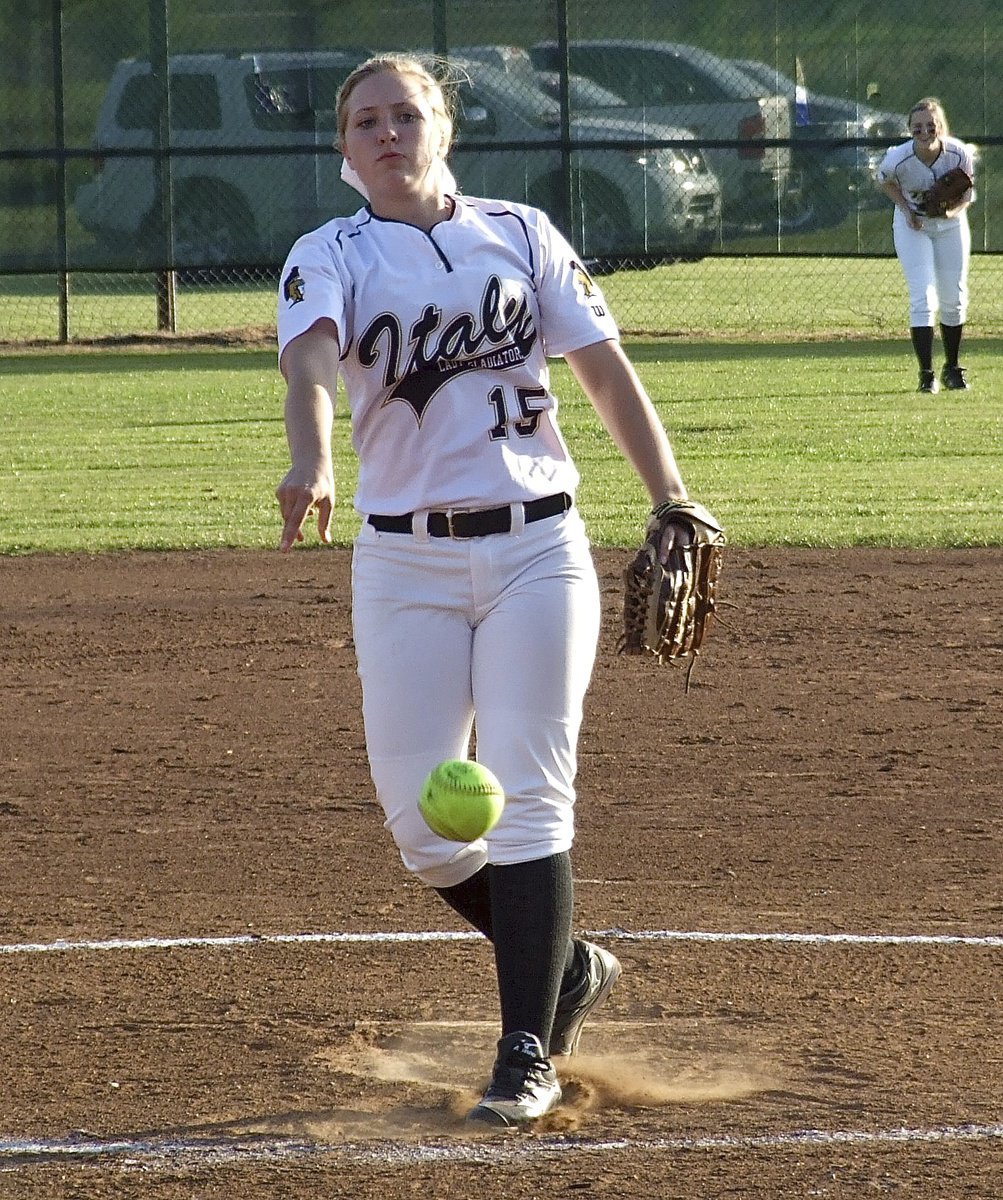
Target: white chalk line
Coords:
[(244, 940), (171, 1153)]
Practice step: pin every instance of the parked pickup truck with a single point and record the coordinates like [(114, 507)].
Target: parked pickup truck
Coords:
[(736, 121), (831, 156)]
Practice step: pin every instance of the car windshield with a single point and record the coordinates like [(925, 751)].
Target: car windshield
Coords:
[(582, 93), (296, 98), (775, 82), (655, 73), (523, 98)]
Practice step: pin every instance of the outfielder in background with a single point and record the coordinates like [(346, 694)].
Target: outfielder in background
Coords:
[(474, 595), (934, 250)]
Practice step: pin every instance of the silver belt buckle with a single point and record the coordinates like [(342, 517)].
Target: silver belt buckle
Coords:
[(457, 512)]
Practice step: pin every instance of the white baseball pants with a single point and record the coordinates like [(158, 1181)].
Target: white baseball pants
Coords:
[(495, 635), (935, 264)]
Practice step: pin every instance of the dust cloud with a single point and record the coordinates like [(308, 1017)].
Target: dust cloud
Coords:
[(422, 1080)]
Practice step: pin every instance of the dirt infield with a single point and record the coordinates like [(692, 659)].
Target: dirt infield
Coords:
[(190, 839)]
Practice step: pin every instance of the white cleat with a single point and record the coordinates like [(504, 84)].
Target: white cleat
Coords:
[(523, 1085)]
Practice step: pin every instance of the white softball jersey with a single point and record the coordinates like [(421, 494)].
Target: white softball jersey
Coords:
[(444, 339), (916, 177)]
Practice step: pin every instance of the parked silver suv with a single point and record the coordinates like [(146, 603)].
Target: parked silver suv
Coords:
[(252, 163), (252, 166)]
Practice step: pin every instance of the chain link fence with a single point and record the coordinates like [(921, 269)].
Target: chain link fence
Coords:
[(714, 163)]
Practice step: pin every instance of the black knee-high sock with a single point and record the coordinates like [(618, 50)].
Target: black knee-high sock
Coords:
[(922, 343), (951, 335), (531, 912), (471, 899)]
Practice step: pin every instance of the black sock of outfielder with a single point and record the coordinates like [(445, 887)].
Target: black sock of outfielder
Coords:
[(531, 911), (951, 335), (922, 343)]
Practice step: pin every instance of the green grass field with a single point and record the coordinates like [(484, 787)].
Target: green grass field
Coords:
[(745, 298), (823, 444)]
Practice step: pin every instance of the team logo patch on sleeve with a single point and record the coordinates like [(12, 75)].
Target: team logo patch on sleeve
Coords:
[(294, 289), (584, 280)]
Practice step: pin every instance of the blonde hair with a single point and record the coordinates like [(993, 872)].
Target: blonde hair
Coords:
[(933, 105), (439, 90)]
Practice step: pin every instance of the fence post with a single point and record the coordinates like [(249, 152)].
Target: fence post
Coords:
[(59, 118), (440, 41), (162, 173), (565, 101)]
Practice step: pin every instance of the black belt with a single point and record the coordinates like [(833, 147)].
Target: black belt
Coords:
[(474, 522)]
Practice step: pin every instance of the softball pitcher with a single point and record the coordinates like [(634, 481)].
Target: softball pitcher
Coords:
[(934, 251), (475, 600)]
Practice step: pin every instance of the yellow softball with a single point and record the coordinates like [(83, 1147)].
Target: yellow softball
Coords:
[(461, 800)]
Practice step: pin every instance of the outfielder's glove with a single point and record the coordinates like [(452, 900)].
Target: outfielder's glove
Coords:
[(947, 192), (667, 609)]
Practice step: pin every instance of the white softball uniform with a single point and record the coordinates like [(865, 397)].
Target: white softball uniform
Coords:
[(482, 622), (935, 258)]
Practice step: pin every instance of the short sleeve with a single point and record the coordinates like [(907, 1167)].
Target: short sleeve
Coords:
[(886, 168), (573, 308), (310, 288)]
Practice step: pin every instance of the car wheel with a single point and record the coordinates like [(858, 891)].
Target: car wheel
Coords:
[(213, 225), (213, 228), (602, 219), (818, 201)]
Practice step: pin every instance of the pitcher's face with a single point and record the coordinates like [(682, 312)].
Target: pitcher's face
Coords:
[(393, 134)]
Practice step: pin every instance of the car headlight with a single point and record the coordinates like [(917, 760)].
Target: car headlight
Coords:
[(673, 161)]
